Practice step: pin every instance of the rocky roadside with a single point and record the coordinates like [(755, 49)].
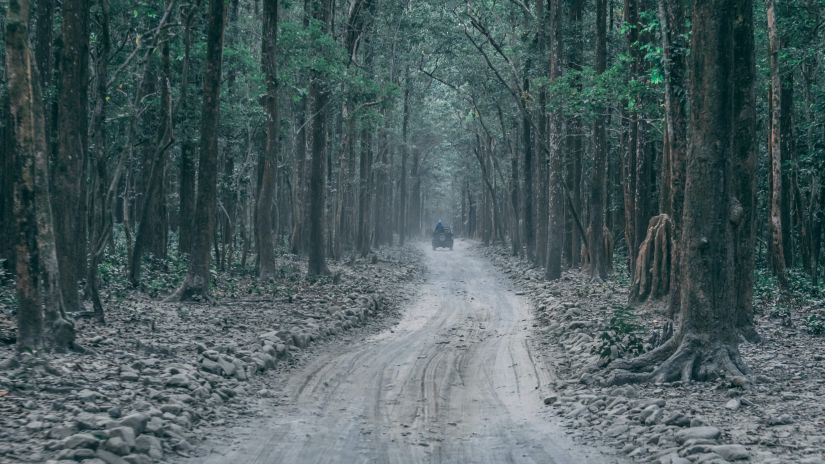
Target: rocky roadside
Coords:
[(779, 418), (159, 376)]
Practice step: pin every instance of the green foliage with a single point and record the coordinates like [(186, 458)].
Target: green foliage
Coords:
[(622, 336), (815, 324)]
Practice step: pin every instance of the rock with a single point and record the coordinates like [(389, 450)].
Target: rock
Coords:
[(154, 425), (678, 419), (80, 440), (137, 459), (732, 452), (87, 395), (697, 433), (136, 421), (179, 380), (150, 445), (733, 404), (76, 454), (127, 434), (782, 419), (110, 458), (117, 446), (550, 399)]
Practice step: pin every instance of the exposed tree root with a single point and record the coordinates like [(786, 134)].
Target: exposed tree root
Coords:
[(193, 287), (682, 358), (651, 277)]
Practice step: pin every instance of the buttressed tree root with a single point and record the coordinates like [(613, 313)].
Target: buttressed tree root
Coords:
[(651, 277), (685, 357)]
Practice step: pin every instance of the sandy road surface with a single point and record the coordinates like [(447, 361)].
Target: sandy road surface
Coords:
[(453, 382)]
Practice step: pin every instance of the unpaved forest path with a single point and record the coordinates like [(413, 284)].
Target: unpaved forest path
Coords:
[(454, 382)]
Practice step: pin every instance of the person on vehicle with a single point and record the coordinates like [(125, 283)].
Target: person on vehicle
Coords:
[(439, 227)]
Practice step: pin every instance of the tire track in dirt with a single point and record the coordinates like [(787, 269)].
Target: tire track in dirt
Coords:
[(453, 382)]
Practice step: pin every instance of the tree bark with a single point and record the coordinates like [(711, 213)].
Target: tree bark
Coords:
[(405, 151), (68, 169), (269, 159), (41, 316), (319, 95), (672, 19), (744, 166), (555, 227), (186, 179), (595, 247), (775, 150), (197, 281)]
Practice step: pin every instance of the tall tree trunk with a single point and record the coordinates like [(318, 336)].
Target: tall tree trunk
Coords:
[(39, 296), (631, 135), (100, 200), (152, 229), (705, 345), (788, 140), (744, 166), (672, 19), (319, 95), (69, 187), (197, 282), (555, 234), (405, 151), (269, 159), (528, 227), (595, 247), (187, 162), (775, 150), (8, 170)]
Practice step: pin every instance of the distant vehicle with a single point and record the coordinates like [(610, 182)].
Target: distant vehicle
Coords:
[(443, 238)]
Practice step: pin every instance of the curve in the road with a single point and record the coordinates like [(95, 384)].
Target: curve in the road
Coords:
[(454, 382)]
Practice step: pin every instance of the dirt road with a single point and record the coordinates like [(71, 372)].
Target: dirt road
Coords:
[(453, 382)]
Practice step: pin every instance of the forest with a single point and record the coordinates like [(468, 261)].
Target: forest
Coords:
[(161, 151)]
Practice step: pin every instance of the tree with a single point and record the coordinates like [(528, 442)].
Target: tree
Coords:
[(41, 317), (555, 237), (705, 344), (269, 160), (197, 278), (319, 96), (775, 147), (595, 243), (68, 168), (186, 180)]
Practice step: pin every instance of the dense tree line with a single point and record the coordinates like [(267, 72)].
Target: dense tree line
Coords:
[(685, 137)]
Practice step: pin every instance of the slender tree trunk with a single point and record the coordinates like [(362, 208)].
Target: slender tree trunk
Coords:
[(595, 247), (672, 18), (197, 278), (187, 162), (100, 204), (555, 236), (631, 135), (405, 150), (744, 166), (775, 150), (319, 95), (528, 227), (269, 159), (69, 188), (152, 229)]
